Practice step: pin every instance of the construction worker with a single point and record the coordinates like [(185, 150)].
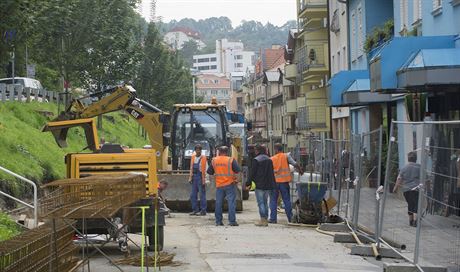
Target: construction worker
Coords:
[(224, 168), (263, 176), (281, 162), (197, 179)]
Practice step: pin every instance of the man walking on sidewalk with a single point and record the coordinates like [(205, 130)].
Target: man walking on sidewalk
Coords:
[(225, 168), (197, 179), (264, 178), (409, 180), (283, 177)]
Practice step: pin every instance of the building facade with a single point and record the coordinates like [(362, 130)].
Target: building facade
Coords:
[(229, 57), (177, 36), (338, 51), (209, 86)]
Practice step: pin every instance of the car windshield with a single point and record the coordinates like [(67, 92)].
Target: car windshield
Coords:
[(199, 125)]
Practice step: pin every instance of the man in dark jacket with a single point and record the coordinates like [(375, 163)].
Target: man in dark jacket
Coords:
[(263, 176)]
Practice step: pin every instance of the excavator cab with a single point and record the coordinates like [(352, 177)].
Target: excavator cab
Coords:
[(193, 124)]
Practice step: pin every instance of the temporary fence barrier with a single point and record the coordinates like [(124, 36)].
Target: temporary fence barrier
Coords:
[(429, 188)]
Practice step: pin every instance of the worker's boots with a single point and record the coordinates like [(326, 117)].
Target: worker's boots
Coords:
[(263, 222)]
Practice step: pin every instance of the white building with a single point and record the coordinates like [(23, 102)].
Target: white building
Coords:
[(338, 52), (229, 57), (177, 36), (206, 63)]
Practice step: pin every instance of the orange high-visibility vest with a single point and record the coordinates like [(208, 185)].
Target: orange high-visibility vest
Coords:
[(281, 167), (203, 162), (223, 170)]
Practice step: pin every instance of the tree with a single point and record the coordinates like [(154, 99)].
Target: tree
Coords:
[(163, 79), (189, 49)]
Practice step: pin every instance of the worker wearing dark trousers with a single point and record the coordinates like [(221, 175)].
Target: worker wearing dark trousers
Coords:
[(197, 179), (225, 168), (283, 177)]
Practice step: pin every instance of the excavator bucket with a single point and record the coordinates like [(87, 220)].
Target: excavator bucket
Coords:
[(59, 130)]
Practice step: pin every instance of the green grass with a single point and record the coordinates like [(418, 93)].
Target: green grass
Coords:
[(26, 150), (8, 227)]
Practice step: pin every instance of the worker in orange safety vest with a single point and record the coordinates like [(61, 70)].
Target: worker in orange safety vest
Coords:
[(225, 168), (281, 162), (197, 178)]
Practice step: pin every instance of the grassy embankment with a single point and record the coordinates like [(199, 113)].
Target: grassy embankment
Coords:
[(26, 150)]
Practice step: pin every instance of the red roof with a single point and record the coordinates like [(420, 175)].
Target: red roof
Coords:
[(273, 58), (187, 31), (209, 81)]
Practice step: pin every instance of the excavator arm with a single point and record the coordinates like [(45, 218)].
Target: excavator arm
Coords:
[(153, 120)]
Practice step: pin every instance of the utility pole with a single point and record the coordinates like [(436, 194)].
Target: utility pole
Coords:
[(194, 90)]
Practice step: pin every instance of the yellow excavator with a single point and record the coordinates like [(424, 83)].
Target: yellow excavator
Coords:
[(171, 144)]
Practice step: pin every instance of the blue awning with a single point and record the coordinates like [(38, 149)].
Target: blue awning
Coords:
[(359, 94), (430, 69), (391, 56), (340, 82)]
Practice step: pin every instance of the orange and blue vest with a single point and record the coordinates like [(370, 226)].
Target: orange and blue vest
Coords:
[(281, 168), (223, 170)]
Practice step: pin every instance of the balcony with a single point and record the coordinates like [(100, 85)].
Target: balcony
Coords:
[(291, 106), (312, 117), (312, 8), (301, 102), (290, 71), (313, 60)]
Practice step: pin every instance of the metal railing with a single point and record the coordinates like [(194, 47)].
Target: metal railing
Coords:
[(19, 93), (35, 203)]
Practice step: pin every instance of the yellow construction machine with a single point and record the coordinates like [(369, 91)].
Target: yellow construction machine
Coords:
[(204, 123)]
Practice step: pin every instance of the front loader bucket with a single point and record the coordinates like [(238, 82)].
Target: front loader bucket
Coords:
[(177, 194)]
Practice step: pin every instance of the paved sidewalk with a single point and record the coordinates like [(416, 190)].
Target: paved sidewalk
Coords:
[(201, 246)]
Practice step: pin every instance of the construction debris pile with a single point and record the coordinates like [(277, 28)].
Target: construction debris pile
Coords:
[(163, 259)]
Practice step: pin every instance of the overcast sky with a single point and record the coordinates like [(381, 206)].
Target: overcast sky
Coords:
[(276, 12)]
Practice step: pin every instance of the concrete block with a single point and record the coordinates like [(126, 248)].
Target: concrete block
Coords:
[(407, 267), (334, 227), (365, 250)]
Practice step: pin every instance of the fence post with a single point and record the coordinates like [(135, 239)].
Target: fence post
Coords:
[(3, 91), (27, 89), (340, 168), (377, 199), (36, 92), (425, 144), (386, 183), (357, 190), (10, 88)]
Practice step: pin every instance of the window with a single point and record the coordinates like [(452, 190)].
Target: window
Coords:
[(403, 6), (194, 60), (206, 81), (333, 65), (203, 60), (213, 67), (201, 68), (213, 92), (437, 4), (225, 92), (353, 36), (216, 81), (344, 56), (339, 65), (360, 32), (238, 65), (213, 59), (417, 10), (238, 57)]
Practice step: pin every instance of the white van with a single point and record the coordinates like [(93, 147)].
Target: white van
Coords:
[(24, 81)]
